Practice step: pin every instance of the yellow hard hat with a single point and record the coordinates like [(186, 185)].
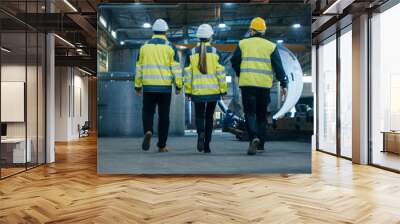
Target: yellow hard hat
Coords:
[(258, 24)]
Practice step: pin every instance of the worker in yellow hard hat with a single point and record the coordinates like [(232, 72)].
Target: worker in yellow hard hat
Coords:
[(157, 70), (255, 61)]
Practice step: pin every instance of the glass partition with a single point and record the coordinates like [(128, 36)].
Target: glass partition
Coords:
[(14, 145), (346, 93), (385, 89), (22, 89), (327, 95)]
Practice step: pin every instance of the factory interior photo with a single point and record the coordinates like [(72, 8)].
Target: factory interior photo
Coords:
[(85, 82)]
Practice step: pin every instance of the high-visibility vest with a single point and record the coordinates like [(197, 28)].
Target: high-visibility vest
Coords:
[(158, 67), (208, 86), (256, 68)]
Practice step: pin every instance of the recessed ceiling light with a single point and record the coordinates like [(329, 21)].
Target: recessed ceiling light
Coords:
[(146, 25), (122, 42), (103, 21), (84, 71), (64, 40), (114, 34), (5, 50), (70, 5), (222, 25), (296, 25)]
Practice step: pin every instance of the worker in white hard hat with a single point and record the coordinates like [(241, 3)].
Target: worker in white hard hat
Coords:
[(205, 84), (157, 70)]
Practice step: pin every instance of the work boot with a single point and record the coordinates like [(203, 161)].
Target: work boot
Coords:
[(207, 148), (253, 147), (163, 149), (200, 142), (146, 141)]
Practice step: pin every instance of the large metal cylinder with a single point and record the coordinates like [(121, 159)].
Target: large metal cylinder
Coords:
[(119, 109)]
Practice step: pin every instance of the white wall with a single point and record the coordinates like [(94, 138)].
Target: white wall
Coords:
[(71, 102)]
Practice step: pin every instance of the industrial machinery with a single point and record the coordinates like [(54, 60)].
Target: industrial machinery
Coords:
[(293, 121)]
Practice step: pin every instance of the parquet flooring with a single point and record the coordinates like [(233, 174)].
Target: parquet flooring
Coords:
[(70, 191)]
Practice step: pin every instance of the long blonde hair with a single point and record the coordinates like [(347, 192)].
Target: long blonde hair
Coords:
[(203, 56)]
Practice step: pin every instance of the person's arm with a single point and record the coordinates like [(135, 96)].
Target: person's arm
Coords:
[(138, 73), (188, 78), (176, 69), (221, 76), (236, 60), (277, 65)]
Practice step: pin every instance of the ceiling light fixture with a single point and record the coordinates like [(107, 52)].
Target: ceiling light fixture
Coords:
[(5, 50), (103, 21), (64, 40), (122, 42), (70, 5), (146, 25), (114, 34), (333, 6), (296, 25), (279, 41), (84, 71), (222, 25)]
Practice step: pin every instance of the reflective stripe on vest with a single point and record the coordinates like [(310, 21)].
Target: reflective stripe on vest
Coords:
[(204, 76), (157, 77), (255, 59), (205, 86), (258, 71)]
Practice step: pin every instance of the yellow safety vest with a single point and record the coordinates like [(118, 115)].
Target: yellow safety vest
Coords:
[(256, 68), (210, 85), (158, 67)]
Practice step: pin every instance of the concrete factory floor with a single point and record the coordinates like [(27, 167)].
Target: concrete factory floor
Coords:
[(124, 156)]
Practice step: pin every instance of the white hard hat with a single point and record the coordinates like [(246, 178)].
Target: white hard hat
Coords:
[(205, 31), (160, 25)]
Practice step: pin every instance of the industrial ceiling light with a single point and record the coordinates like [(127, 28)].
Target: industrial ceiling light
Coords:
[(5, 50), (84, 71), (114, 34), (335, 7), (222, 25), (65, 41), (70, 5), (146, 25), (279, 41), (103, 21), (296, 25), (122, 42)]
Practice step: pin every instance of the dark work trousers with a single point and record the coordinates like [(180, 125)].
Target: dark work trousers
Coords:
[(163, 102), (255, 102), (204, 112)]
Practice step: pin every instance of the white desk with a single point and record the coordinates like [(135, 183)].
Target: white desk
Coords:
[(18, 149)]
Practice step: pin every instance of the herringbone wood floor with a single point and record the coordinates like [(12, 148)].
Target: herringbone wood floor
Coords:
[(70, 191)]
